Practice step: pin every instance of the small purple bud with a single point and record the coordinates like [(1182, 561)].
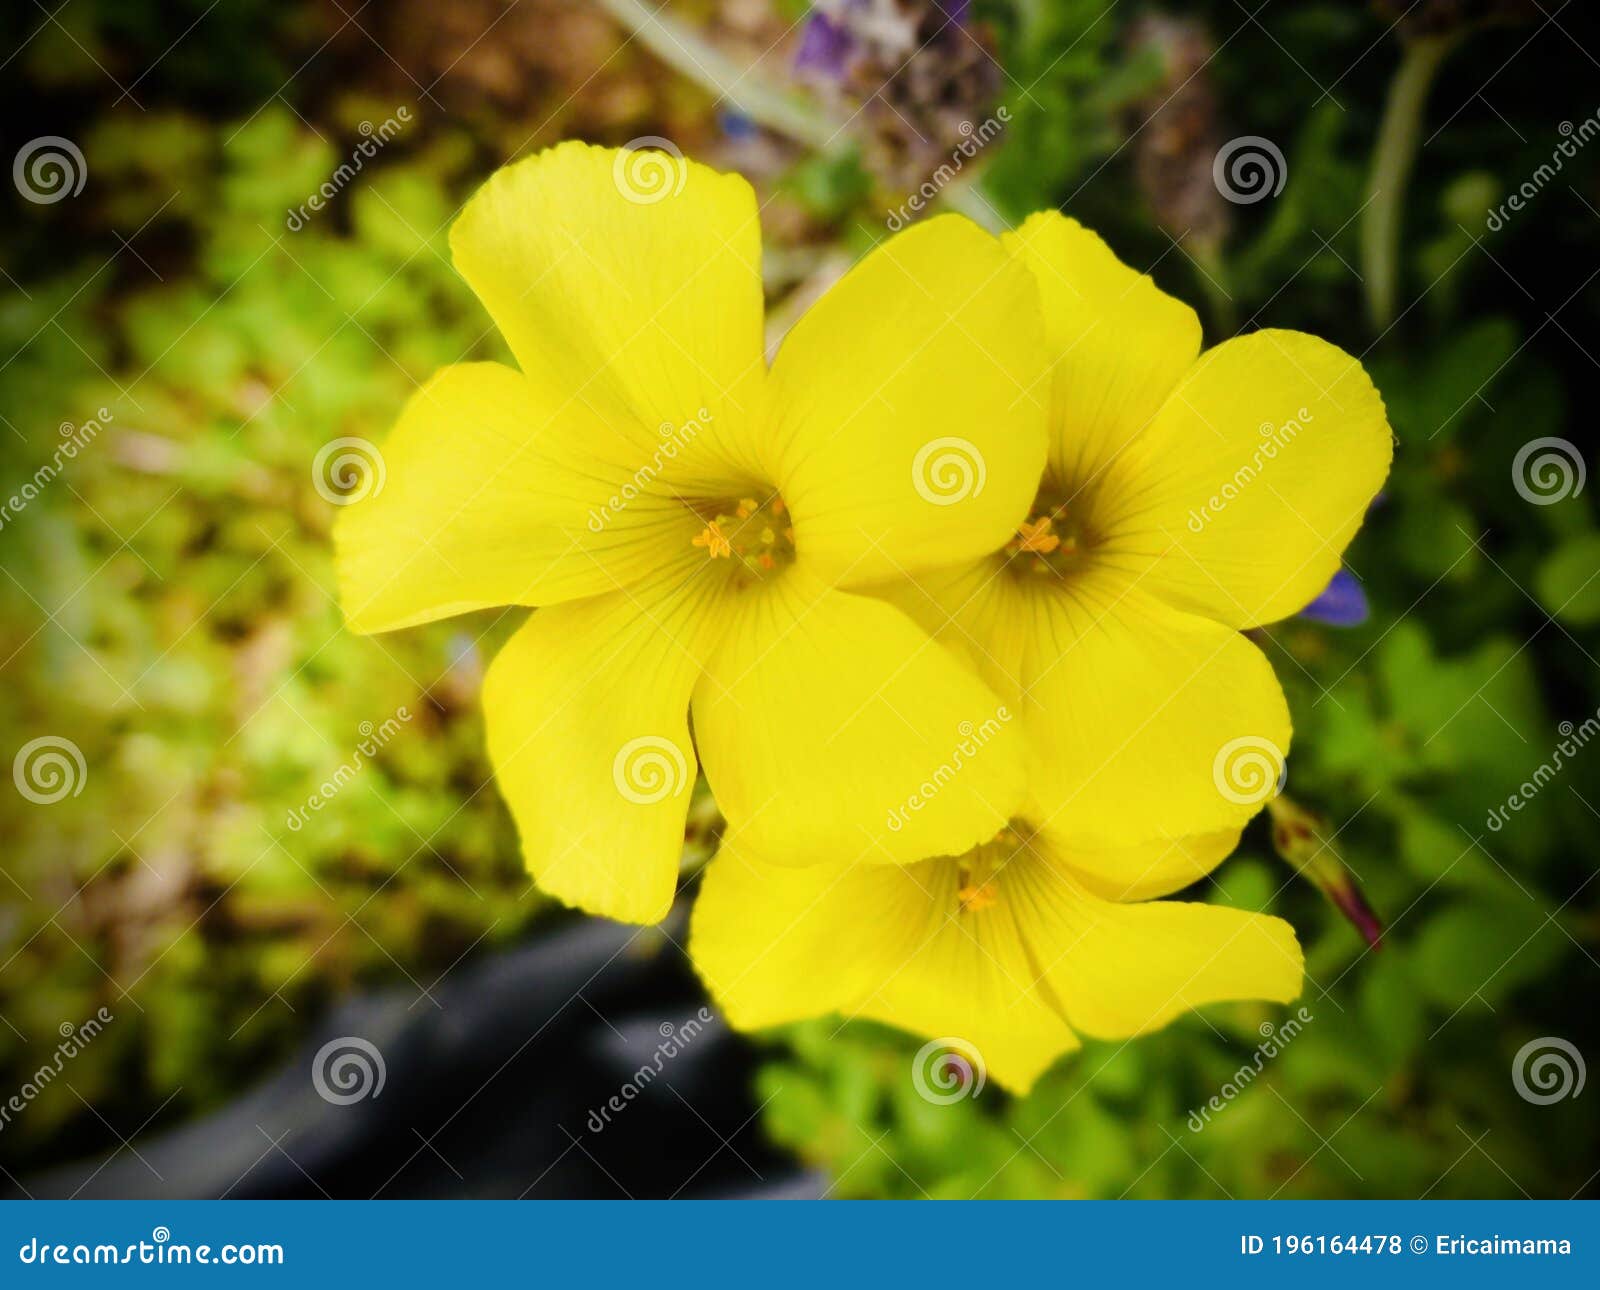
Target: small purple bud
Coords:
[(825, 46), (736, 126), (1342, 603)]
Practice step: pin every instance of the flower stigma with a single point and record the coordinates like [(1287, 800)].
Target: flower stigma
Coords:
[(1050, 540), (978, 871), (756, 538)]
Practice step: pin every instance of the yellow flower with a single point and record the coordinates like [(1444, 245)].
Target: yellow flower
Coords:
[(1186, 497), (696, 528), (1015, 948)]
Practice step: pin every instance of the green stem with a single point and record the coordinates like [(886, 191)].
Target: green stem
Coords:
[(681, 47), (1213, 278), (1392, 159)]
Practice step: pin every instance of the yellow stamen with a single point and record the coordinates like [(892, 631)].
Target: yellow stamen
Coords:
[(746, 508), (714, 540), (973, 899), (1037, 536)]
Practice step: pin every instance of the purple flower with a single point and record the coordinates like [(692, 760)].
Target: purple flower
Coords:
[(825, 45), (1342, 603)]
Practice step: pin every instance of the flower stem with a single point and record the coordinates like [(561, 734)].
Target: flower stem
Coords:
[(1392, 159), (681, 47)]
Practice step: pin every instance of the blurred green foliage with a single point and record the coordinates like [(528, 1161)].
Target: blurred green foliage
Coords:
[(168, 604)]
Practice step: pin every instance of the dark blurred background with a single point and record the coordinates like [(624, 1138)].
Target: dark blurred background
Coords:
[(224, 249)]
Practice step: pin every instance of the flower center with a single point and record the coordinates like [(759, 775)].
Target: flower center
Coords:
[(978, 871), (1051, 540), (756, 538)]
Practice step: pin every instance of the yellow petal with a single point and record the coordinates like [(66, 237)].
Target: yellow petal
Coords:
[(1120, 970), (831, 726), (1144, 870), (1144, 722), (491, 491), (1117, 343), (587, 711), (908, 407), (629, 274), (883, 942), (1239, 499)]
